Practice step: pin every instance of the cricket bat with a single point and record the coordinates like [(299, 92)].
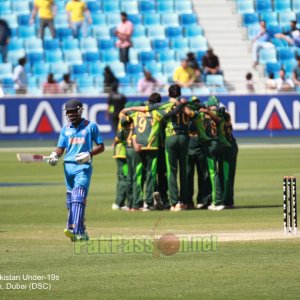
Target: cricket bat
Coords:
[(31, 158)]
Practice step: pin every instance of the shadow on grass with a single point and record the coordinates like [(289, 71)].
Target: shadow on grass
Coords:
[(255, 206)]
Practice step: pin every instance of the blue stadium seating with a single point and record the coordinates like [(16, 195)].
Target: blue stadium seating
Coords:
[(193, 31), (14, 56), (146, 6), (165, 6), (165, 55), (282, 5), (51, 44), (266, 55), (99, 19), (296, 6), (141, 44), (170, 19), (135, 19), (263, 6), (245, 6), (270, 17), (111, 6), (34, 45), (86, 85), (156, 32), (214, 80), (286, 17), (41, 69), (64, 32), (285, 54), (139, 31), (23, 19), (105, 44), (15, 44), (118, 69), (90, 57), (146, 56), (54, 56), (73, 57), (88, 45), (94, 6), (100, 32), (181, 44), (110, 55), (35, 57), (5, 8), (8, 86), (188, 19), (184, 7), (131, 7), (250, 19), (26, 32), (6, 70), (160, 44), (174, 32), (151, 19)]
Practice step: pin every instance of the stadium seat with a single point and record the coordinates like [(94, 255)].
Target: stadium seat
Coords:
[(250, 19), (141, 44), (100, 32), (151, 19), (146, 56), (11, 20), (6, 70), (169, 68), (99, 19), (270, 17), (289, 67), (170, 19), (266, 55), (274, 29), (282, 5), (59, 69), (69, 44), (51, 44), (139, 30), (5, 8), (134, 69), (34, 45), (165, 6), (90, 57), (201, 91), (214, 80), (286, 17), (245, 6), (188, 19), (105, 44), (166, 55), (94, 6), (193, 31), (146, 7), (160, 44), (14, 56), (26, 32), (174, 32), (24, 19), (183, 7), (198, 44), (54, 56), (156, 32), (272, 68), (86, 85), (181, 44), (118, 69), (64, 32), (131, 7), (97, 68), (8, 86), (15, 44), (279, 43), (263, 6), (109, 6), (111, 55), (296, 6), (73, 57), (285, 54), (135, 19), (34, 58), (88, 45), (113, 19), (41, 69), (153, 67), (61, 21)]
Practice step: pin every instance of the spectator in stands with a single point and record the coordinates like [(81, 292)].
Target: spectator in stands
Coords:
[(148, 84), (51, 87), (296, 73), (124, 32), (67, 86), (184, 75), (284, 84), (77, 11), (210, 63), (5, 34), (193, 63), (110, 80), (47, 11), (261, 40), (19, 77), (271, 83), (116, 102), (292, 36), (250, 83)]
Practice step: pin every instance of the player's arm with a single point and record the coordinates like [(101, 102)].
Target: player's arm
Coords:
[(212, 115), (137, 147), (135, 108), (97, 149)]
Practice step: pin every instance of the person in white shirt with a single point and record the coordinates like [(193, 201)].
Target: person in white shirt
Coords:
[(19, 77), (284, 84), (148, 84)]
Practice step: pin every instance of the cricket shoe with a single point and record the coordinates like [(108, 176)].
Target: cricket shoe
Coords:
[(81, 237), (70, 234), (115, 207), (147, 207), (158, 205), (125, 208), (216, 207)]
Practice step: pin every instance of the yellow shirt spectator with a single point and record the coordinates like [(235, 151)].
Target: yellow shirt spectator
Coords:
[(76, 10), (184, 75), (45, 8)]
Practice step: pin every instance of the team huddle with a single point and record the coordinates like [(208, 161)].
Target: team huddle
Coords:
[(152, 141)]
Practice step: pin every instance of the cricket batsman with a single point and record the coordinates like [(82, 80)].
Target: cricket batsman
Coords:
[(77, 139)]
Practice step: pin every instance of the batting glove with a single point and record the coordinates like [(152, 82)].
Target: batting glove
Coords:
[(83, 157), (53, 159)]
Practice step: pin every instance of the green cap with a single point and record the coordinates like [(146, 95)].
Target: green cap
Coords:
[(212, 101), (194, 98)]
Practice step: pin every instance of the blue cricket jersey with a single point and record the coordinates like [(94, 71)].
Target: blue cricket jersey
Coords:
[(80, 139)]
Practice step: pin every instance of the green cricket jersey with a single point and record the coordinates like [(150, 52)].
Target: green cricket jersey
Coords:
[(120, 142)]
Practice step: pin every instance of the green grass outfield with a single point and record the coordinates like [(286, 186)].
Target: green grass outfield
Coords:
[(251, 259)]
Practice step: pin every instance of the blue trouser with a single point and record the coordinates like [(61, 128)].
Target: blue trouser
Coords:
[(77, 178)]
